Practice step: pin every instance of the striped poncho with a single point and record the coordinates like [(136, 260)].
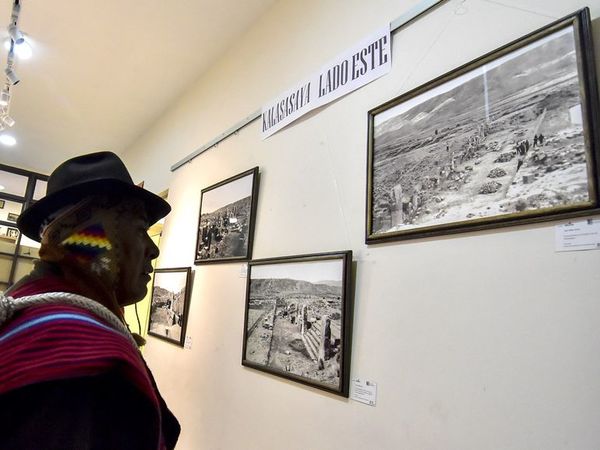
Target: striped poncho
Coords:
[(49, 347)]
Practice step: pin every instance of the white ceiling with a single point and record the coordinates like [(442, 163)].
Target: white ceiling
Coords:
[(103, 71)]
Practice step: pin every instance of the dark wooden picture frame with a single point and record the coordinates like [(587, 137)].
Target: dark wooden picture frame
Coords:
[(298, 319), (226, 219), (509, 138), (169, 305), (12, 232)]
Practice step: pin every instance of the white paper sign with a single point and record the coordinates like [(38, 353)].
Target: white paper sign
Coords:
[(364, 391), (366, 61), (188, 343), (244, 271), (287, 107), (574, 236)]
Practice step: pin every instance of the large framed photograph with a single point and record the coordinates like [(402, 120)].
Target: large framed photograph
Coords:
[(170, 304), (226, 223), (506, 139), (298, 319)]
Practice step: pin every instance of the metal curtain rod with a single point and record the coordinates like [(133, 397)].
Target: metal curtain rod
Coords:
[(412, 14)]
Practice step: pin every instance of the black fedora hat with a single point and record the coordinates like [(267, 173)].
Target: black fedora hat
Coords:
[(76, 178)]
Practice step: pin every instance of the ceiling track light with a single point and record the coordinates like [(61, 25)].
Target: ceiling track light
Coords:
[(16, 38), (13, 29), (4, 97), (11, 76), (7, 121), (15, 34)]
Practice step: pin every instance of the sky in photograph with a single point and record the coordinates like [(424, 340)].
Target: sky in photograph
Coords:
[(311, 271), (172, 281), (224, 195), (451, 84)]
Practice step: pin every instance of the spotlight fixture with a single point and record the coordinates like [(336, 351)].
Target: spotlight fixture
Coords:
[(4, 97), (15, 34), (7, 120), (16, 38), (23, 50), (13, 29), (11, 76)]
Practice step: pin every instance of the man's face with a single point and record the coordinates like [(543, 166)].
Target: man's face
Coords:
[(136, 252)]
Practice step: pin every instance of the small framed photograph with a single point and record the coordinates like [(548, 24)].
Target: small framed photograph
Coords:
[(170, 304), (510, 138), (298, 319), (12, 217), (12, 232), (226, 222), (2, 203)]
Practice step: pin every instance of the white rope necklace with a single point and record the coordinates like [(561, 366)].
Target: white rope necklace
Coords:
[(8, 306)]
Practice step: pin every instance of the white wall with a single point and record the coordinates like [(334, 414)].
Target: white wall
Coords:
[(484, 340)]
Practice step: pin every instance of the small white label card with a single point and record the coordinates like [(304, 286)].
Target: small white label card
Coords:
[(364, 391), (581, 235), (188, 343), (244, 271)]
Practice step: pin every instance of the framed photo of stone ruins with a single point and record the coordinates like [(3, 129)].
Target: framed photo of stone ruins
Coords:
[(298, 319), (226, 222), (509, 138), (170, 304)]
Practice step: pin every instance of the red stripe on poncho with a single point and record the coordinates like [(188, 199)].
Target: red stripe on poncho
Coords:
[(66, 348)]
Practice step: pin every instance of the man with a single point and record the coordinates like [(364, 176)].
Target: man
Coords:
[(71, 375)]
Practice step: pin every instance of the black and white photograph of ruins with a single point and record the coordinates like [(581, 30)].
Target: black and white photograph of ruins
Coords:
[(225, 225), (294, 320), (168, 309), (503, 139)]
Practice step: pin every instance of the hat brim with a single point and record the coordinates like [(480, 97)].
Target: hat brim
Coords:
[(30, 221)]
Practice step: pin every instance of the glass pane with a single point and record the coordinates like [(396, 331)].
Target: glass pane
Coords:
[(24, 266), (10, 210), (29, 247), (12, 183), (5, 265), (40, 189)]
